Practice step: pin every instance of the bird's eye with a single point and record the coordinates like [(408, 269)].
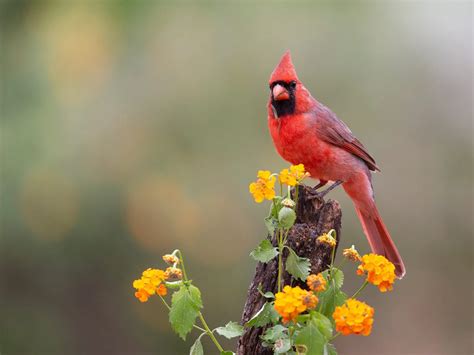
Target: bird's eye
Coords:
[(293, 84)]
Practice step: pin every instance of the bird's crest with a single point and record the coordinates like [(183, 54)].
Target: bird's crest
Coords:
[(284, 71)]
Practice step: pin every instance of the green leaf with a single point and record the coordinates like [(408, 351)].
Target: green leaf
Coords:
[(323, 324), (197, 349), (185, 306), (275, 207), (271, 223), (298, 267), (329, 349), (282, 345), (265, 315), (286, 217), (264, 252), (337, 275), (329, 299), (231, 330), (274, 333), (310, 341), (195, 296)]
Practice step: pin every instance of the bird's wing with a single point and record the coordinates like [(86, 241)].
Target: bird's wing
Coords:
[(332, 130)]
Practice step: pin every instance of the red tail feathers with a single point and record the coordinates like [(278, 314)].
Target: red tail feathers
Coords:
[(379, 238)]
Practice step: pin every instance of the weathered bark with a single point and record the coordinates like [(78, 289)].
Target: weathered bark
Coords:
[(314, 217)]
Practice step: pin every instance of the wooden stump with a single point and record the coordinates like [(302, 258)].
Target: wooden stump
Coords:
[(314, 217)]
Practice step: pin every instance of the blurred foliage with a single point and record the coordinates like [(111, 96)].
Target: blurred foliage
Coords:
[(132, 127)]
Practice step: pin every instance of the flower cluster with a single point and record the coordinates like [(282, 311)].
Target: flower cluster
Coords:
[(173, 273), (351, 254), (316, 283), (293, 301), (151, 282), (380, 272), (327, 239), (264, 188), (354, 317), (294, 175)]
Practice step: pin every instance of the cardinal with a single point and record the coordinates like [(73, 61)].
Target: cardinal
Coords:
[(305, 131)]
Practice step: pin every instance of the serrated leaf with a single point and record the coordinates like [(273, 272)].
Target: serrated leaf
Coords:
[(329, 299), (274, 333), (264, 316), (337, 275), (195, 296), (297, 267), (323, 324), (329, 349), (310, 341), (231, 330), (185, 306), (197, 349), (264, 252)]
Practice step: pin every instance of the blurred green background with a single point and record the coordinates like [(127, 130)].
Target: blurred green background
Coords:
[(130, 128)]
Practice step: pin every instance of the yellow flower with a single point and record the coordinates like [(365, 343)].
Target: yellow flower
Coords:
[(264, 188), (154, 276), (351, 254), (316, 283), (150, 283), (170, 259), (290, 302), (173, 273), (293, 176), (354, 317), (327, 239), (380, 272)]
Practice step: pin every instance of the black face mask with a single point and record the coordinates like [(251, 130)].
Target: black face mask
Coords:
[(284, 107)]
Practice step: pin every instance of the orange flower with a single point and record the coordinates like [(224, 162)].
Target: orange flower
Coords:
[(327, 239), (354, 317), (316, 283), (351, 254), (150, 283), (310, 300), (142, 295), (161, 290), (170, 259), (264, 188), (294, 175), (173, 273), (290, 302), (380, 272)]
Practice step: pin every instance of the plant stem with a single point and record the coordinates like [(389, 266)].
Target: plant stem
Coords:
[(335, 336), (296, 196), (280, 259), (360, 288), (181, 259), (209, 332)]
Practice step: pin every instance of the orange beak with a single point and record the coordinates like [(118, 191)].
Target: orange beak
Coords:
[(280, 93)]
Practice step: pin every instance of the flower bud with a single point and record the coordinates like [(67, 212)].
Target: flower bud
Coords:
[(287, 202), (286, 217)]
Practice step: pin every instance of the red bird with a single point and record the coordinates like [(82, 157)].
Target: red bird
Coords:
[(307, 132)]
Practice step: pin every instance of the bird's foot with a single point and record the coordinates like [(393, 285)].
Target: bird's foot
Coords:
[(319, 195)]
